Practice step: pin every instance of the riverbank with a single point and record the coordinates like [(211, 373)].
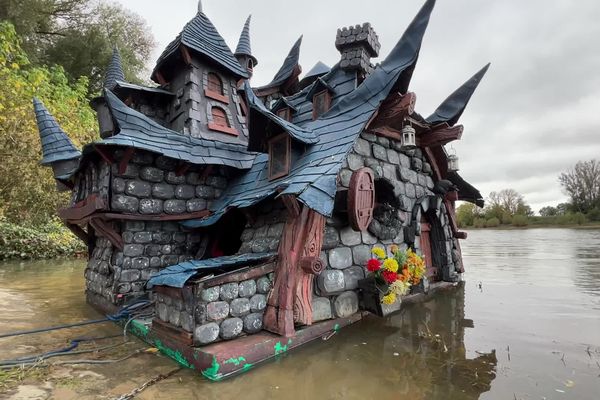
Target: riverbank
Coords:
[(50, 240), (594, 225)]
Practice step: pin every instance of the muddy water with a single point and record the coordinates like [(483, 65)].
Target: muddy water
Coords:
[(526, 325)]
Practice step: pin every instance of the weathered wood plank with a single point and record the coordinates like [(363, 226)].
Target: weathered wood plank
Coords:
[(440, 136)]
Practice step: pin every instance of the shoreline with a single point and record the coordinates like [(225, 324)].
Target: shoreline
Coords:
[(534, 226)]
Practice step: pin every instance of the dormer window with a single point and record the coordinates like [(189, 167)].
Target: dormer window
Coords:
[(321, 102), (285, 113), (279, 156), (214, 88)]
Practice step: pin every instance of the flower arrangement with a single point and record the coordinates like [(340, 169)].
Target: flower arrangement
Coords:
[(395, 274)]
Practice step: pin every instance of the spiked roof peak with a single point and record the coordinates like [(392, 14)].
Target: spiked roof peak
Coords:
[(243, 48), (114, 71)]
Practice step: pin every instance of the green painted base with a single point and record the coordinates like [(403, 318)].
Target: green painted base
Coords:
[(228, 358)]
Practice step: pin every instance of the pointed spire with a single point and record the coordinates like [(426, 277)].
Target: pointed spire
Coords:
[(199, 6), (56, 145), (289, 66), (452, 108), (243, 48), (114, 72)]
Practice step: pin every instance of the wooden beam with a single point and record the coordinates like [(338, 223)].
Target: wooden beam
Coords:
[(79, 232), (165, 329), (106, 230), (140, 217), (292, 205), (433, 162), (82, 209), (394, 110), (182, 168), (387, 132), (104, 154), (440, 136), (187, 58), (125, 160), (243, 274), (160, 78)]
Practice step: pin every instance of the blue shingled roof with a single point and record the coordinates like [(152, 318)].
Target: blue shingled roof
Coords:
[(140, 132), (260, 116), (201, 36), (317, 70), (319, 85), (56, 145), (114, 72), (287, 69), (243, 47), (133, 86), (313, 178), (177, 275), (452, 108)]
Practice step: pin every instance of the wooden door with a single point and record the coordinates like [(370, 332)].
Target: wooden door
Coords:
[(431, 270)]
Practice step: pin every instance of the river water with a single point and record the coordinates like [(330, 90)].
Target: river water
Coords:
[(525, 325)]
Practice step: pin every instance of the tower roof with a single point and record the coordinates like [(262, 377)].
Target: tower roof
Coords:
[(114, 72), (201, 36), (243, 48), (56, 145), (288, 67)]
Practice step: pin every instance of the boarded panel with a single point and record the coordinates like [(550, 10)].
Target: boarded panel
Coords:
[(431, 270)]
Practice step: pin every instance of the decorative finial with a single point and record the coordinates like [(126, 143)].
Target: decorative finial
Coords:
[(199, 6)]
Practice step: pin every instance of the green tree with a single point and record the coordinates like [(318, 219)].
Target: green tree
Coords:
[(466, 214), (548, 211), (80, 36), (582, 185), (27, 190)]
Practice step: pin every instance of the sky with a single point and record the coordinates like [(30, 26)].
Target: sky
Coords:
[(534, 115)]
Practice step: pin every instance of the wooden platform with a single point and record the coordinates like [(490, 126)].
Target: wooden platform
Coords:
[(228, 358)]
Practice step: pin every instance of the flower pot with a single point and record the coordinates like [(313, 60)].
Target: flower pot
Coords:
[(371, 296), (422, 287)]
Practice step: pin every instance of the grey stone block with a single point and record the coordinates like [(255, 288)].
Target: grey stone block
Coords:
[(416, 164), (258, 302), (217, 182), (169, 260), (163, 191), (130, 275), (346, 304), (239, 307), (196, 205), (187, 322), (179, 237), (352, 275), (368, 136), (131, 171), (155, 262), (138, 188), (228, 291), (340, 258), (205, 192), (385, 142), (163, 311), (217, 310), (276, 230), (253, 322), (263, 285), (127, 237), (350, 237), (355, 161), (404, 160), (172, 178), (152, 174), (345, 175), (175, 206), (151, 206), (368, 238), (321, 309), (393, 157), (118, 185), (185, 191), (247, 288), (330, 281), (331, 238), (152, 249), (133, 250), (361, 254), (165, 163), (134, 226), (231, 327), (410, 190), (124, 203), (142, 237), (206, 333), (174, 316), (142, 158), (379, 152), (140, 263), (362, 147)]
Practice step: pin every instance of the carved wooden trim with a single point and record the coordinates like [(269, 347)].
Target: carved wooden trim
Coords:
[(309, 266), (387, 132), (225, 129), (291, 204), (79, 232), (82, 209), (105, 229), (394, 109), (156, 217), (187, 58), (361, 199), (243, 274), (216, 96), (433, 162), (126, 157), (441, 136)]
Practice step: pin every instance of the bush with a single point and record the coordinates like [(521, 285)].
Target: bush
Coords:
[(479, 223), (594, 214), (492, 223), (520, 220), (46, 241)]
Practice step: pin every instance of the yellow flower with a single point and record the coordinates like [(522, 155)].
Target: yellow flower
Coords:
[(399, 288), (379, 252), (394, 248), (389, 298), (391, 265)]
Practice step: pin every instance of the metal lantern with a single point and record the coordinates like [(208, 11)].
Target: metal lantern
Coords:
[(409, 137), (452, 163)]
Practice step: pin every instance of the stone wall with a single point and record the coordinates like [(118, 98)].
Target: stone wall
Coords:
[(263, 234), (220, 312), (402, 177), (150, 186)]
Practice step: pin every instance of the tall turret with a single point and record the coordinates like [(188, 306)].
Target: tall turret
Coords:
[(243, 51), (58, 151), (114, 72)]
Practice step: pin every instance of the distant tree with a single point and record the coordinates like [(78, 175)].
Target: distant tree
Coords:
[(506, 201), (548, 211), (563, 208), (582, 185), (80, 36), (466, 214)]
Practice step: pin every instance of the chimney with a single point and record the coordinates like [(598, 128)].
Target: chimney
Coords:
[(357, 44)]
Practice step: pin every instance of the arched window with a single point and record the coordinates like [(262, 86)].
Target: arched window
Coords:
[(250, 65), (219, 117), (214, 83)]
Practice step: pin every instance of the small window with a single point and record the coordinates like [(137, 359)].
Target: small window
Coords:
[(279, 156), (250, 65), (285, 113), (320, 102), (214, 83), (219, 117)]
